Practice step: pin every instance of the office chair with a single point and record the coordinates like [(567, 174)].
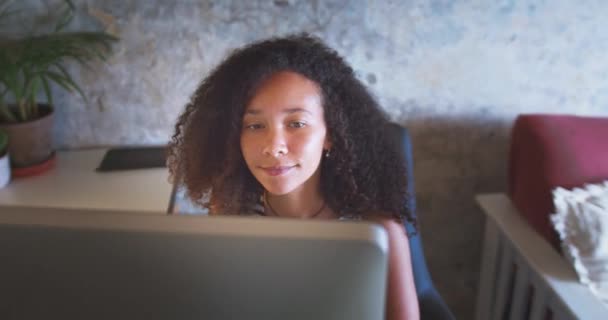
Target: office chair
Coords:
[(432, 306)]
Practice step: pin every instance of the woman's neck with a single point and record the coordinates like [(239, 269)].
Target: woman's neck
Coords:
[(298, 204)]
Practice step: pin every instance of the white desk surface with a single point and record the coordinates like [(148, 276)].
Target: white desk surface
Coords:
[(74, 183)]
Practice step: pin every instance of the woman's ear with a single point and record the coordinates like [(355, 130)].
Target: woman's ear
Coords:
[(326, 148), (327, 144)]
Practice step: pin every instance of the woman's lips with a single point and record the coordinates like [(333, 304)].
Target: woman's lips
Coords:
[(277, 170)]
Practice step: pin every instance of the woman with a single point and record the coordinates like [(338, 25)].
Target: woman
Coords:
[(283, 128)]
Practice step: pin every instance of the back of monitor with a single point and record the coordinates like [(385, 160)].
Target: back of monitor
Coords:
[(71, 264)]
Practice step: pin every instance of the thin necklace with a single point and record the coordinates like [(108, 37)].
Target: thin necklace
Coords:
[(265, 197)]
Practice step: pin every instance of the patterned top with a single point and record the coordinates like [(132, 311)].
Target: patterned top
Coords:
[(185, 206)]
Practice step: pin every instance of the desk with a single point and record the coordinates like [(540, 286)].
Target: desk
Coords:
[(74, 183)]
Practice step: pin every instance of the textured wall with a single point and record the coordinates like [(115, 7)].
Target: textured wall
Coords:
[(455, 72)]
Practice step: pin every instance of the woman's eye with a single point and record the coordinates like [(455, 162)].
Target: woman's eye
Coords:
[(253, 126), (297, 124)]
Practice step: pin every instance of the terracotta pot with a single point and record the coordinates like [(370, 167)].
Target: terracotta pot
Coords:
[(30, 143)]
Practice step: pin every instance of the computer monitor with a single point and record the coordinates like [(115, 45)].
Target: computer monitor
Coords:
[(78, 264)]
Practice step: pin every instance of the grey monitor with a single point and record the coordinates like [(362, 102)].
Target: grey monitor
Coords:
[(76, 264)]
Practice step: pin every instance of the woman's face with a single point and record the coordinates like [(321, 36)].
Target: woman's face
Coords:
[(284, 133)]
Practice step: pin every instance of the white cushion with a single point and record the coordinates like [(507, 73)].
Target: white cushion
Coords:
[(581, 220)]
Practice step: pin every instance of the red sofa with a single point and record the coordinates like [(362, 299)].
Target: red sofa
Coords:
[(548, 151)]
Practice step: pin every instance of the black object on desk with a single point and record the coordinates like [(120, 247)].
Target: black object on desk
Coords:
[(129, 158)]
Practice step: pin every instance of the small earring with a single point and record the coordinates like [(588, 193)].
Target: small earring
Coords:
[(327, 153)]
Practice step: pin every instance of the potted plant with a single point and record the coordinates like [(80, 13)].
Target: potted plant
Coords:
[(29, 66)]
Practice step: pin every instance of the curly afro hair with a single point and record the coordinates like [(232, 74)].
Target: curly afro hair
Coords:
[(365, 173)]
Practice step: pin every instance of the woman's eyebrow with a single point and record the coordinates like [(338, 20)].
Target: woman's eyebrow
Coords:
[(288, 110), (294, 110), (252, 111)]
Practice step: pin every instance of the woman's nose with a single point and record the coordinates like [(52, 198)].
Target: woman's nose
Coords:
[(275, 144)]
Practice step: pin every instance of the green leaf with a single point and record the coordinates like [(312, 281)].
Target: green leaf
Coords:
[(47, 90), (66, 16), (30, 64), (12, 82), (60, 80), (6, 112), (66, 82), (21, 109), (32, 109)]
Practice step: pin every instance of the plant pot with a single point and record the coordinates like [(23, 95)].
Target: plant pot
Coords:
[(30, 143)]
